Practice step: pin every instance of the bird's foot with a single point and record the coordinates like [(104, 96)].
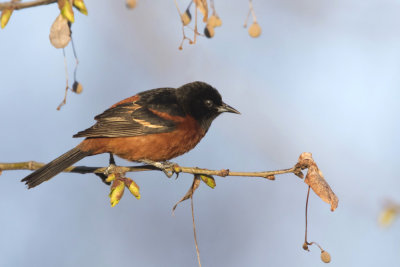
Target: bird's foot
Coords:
[(108, 171), (166, 166)]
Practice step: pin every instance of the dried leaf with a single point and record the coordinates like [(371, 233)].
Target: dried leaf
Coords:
[(60, 34), (5, 17), (208, 180), (202, 6), (190, 192), (316, 181), (80, 5)]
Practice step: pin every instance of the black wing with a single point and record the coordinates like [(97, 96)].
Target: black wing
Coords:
[(149, 114)]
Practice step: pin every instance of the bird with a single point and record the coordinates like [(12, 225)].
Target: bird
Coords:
[(150, 127)]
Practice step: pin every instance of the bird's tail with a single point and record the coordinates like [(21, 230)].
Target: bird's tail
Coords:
[(54, 167)]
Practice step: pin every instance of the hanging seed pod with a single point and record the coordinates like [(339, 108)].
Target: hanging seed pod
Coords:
[(77, 87), (131, 4), (186, 17), (255, 30), (325, 256), (209, 31)]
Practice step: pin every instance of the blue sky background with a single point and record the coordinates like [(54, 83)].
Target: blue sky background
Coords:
[(322, 78)]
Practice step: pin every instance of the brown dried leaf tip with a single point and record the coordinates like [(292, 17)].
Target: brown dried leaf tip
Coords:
[(190, 192), (316, 181)]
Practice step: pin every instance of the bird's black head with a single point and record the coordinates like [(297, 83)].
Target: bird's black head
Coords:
[(203, 102)]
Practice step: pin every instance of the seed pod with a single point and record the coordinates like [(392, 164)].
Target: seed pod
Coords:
[(209, 31), (212, 21), (77, 87), (218, 22), (305, 246), (255, 30), (186, 17), (131, 4), (325, 256)]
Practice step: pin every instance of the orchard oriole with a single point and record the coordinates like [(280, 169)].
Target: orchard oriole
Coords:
[(151, 127)]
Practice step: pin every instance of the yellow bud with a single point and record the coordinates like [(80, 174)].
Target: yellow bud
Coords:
[(80, 5), (77, 88), (305, 246), (209, 31), (110, 178), (133, 187), (67, 12), (325, 257), (186, 17), (117, 191), (255, 30), (131, 4), (5, 17), (208, 180)]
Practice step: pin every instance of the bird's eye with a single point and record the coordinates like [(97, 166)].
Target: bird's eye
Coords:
[(208, 103)]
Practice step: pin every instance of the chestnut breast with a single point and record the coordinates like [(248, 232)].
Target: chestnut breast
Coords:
[(155, 147)]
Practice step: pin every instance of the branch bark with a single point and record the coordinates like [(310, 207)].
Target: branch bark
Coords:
[(22, 5), (314, 178), (33, 165)]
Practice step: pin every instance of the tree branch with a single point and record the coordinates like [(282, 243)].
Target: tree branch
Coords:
[(33, 165), (22, 5)]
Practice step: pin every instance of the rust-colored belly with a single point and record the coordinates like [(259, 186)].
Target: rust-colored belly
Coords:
[(155, 147)]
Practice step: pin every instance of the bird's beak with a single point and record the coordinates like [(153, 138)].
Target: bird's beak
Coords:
[(226, 108)]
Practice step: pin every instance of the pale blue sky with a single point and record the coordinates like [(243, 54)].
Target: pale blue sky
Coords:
[(323, 77)]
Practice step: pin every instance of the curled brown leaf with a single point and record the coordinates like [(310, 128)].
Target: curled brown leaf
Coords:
[(315, 179)]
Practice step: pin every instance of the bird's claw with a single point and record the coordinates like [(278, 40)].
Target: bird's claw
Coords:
[(167, 167)]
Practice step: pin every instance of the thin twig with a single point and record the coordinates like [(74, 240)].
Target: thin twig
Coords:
[(194, 231), (76, 57), (308, 194), (33, 165), (66, 79), (22, 5), (305, 238), (251, 11)]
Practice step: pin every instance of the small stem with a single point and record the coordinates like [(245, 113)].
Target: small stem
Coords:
[(21, 5), (66, 79), (194, 230), (252, 11), (76, 57), (308, 194)]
